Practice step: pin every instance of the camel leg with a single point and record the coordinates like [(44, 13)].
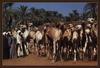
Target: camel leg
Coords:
[(37, 48), (54, 52), (48, 51), (74, 55), (33, 47), (61, 53), (74, 42), (27, 50)]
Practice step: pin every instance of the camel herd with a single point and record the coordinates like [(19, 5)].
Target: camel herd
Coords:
[(63, 41)]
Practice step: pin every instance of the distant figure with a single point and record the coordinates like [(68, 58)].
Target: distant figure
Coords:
[(5, 46), (13, 53)]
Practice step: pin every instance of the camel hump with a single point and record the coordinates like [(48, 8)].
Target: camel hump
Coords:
[(65, 34), (87, 31), (38, 35), (54, 33), (26, 33), (32, 34)]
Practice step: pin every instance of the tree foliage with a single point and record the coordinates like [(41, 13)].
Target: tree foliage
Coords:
[(24, 15)]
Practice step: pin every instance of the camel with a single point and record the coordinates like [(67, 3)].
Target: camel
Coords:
[(54, 34)]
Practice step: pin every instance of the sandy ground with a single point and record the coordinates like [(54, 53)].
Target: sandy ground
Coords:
[(33, 60)]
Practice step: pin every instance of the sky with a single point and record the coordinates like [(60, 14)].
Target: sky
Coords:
[(61, 7)]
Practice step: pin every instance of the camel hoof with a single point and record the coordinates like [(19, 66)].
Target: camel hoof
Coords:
[(75, 60), (48, 58), (62, 60), (53, 61)]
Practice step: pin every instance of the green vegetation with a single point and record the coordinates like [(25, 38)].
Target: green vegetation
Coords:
[(22, 15)]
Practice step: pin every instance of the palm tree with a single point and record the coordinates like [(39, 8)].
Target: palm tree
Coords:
[(23, 13), (90, 10), (7, 5), (71, 16), (76, 15), (7, 15), (67, 18), (32, 13)]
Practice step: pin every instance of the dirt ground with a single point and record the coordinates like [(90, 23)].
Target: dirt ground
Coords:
[(33, 60)]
